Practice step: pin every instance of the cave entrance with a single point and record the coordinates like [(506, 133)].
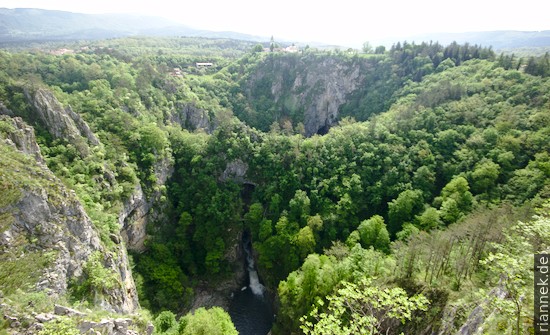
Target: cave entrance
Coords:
[(246, 195), (323, 130)]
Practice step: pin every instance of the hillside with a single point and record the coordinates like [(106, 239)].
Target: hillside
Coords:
[(30, 24), (418, 176), (498, 40), (24, 24)]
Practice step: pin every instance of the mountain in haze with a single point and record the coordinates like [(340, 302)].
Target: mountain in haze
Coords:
[(499, 40), (28, 24), (24, 24)]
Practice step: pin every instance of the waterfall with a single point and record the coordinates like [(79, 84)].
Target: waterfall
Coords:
[(254, 282), (250, 309)]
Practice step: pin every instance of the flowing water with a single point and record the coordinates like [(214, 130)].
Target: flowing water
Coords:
[(250, 308)]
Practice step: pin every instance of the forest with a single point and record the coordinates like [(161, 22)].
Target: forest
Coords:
[(416, 210)]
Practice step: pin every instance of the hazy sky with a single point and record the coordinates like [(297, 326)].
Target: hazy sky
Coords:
[(343, 22)]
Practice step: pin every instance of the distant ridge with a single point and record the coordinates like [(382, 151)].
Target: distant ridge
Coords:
[(29, 24), (499, 40), (25, 24)]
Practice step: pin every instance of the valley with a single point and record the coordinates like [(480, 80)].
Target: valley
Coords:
[(145, 190)]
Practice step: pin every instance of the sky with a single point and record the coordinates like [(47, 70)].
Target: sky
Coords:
[(342, 22)]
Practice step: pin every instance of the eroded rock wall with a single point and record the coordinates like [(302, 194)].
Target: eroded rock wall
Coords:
[(308, 87), (46, 217)]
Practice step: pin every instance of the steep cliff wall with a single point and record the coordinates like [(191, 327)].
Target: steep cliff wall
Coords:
[(61, 122), (308, 89), (47, 235), (137, 212), (191, 117)]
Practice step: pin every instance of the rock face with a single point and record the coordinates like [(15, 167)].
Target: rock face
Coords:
[(235, 170), (316, 87), (191, 117), (22, 137), (61, 122), (474, 324), (47, 218), (136, 211), (133, 220)]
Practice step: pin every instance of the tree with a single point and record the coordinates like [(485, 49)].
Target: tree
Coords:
[(424, 180), (164, 323), (254, 217), (315, 223), (403, 209), (511, 266), (484, 176), (298, 292), (305, 242), (299, 207), (362, 308), (429, 219), (450, 212), (258, 48), (407, 231), (272, 44), (380, 50), (459, 190), (266, 230), (373, 233), (207, 321), (367, 48)]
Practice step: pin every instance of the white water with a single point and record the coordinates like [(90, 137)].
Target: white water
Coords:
[(250, 308), (255, 285)]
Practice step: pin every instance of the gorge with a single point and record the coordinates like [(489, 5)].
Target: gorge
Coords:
[(250, 307), (258, 193)]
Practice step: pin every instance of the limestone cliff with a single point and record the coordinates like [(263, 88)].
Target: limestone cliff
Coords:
[(307, 88), (137, 212), (21, 136), (61, 122), (46, 233), (191, 117)]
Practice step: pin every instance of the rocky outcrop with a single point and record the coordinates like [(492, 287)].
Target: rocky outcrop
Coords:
[(316, 86), (110, 327), (21, 136), (235, 170), (47, 219), (60, 122), (136, 211), (133, 220), (35, 322), (191, 117), (475, 322)]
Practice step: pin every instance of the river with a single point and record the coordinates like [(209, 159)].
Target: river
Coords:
[(250, 308)]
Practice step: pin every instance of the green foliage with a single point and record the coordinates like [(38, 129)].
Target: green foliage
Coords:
[(165, 284), (403, 209), (207, 321), (60, 326), (165, 323), (373, 233), (429, 219), (444, 132), (512, 264), (320, 275), (357, 308), (20, 268), (97, 279)]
